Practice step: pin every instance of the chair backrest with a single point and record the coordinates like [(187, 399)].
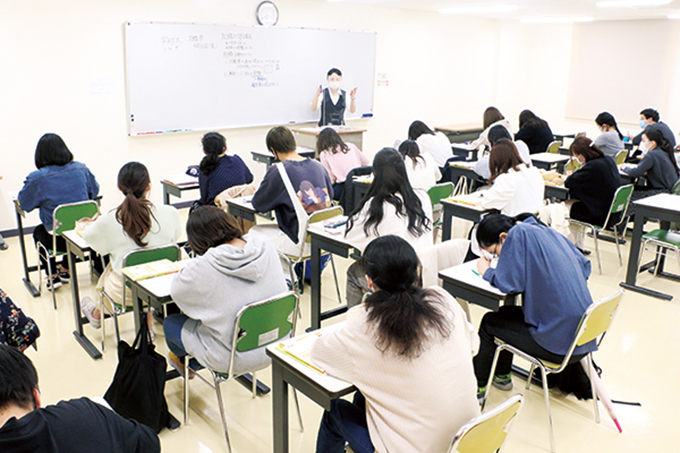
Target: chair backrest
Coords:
[(487, 432), (597, 318), (620, 202), (261, 323), (621, 157), (439, 192), (554, 147), (146, 255), (573, 165), (347, 197), (320, 216), (65, 216)]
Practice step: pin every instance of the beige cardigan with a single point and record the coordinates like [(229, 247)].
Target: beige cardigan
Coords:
[(411, 406)]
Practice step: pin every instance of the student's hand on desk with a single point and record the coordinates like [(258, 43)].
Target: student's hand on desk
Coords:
[(482, 265)]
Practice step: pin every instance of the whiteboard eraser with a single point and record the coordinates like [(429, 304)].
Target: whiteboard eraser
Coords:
[(367, 115)]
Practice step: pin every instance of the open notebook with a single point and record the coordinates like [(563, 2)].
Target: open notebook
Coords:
[(152, 269), (300, 349)]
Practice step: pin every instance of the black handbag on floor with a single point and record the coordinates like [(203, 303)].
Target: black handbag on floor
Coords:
[(138, 386)]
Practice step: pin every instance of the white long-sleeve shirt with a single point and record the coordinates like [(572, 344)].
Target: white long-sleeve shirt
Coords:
[(516, 192), (437, 145), (423, 173), (414, 405)]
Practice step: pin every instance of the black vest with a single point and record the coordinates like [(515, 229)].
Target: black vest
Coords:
[(333, 114)]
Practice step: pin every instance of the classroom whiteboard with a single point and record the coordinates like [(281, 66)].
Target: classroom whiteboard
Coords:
[(193, 77)]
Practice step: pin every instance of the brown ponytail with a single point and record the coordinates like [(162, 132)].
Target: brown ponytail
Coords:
[(134, 213)]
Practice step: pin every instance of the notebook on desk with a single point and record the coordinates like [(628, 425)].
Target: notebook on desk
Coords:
[(300, 349), (181, 179), (473, 199), (152, 269)]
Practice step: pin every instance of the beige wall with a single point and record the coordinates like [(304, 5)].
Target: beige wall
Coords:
[(63, 71)]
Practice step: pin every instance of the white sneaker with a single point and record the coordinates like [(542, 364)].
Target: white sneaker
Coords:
[(87, 306)]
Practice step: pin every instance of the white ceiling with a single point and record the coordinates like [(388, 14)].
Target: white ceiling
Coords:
[(533, 8)]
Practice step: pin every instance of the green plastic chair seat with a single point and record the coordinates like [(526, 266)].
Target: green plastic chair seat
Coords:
[(663, 237)]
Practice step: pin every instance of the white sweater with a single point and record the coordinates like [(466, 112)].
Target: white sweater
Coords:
[(106, 235), (412, 406), (483, 139), (391, 224), (423, 173), (437, 145), (516, 192)]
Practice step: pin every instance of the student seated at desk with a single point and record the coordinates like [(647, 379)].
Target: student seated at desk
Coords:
[(390, 207), (650, 118), (516, 187), (408, 351), (219, 171), (610, 141), (552, 275), (338, 158), (658, 166), (58, 180), (294, 188), (230, 272), (74, 426), (591, 188), (134, 224), (436, 144), (492, 117), (421, 168), (534, 131), (496, 133)]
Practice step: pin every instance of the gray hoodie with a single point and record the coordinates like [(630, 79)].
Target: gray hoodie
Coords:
[(211, 290)]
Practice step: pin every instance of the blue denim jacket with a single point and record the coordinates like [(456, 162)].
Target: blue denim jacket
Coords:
[(54, 185)]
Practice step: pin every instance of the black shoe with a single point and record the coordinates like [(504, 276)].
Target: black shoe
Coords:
[(54, 282), (65, 277), (584, 251)]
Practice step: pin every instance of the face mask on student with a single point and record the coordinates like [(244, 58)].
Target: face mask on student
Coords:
[(644, 147), (334, 85), (642, 124)]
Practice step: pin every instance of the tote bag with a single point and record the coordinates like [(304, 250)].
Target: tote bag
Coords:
[(139, 382)]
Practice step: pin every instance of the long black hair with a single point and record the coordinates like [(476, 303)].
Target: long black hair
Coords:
[(329, 140), (528, 119), (214, 144), (409, 148), (403, 313), (418, 128), (608, 119), (389, 179), (655, 135)]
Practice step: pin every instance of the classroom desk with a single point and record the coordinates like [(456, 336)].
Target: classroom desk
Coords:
[(21, 214), (547, 160), (306, 136), (465, 150), (335, 243), (242, 207), (463, 169), (267, 158), (665, 208), (77, 247), (463, 281), (155, 292), (460, 133), (452, 209), (320, 388), (170, 188)]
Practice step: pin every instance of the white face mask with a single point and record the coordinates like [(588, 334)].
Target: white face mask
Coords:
[(644, 147), (333, 85)]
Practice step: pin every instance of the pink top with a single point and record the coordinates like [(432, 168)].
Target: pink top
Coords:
[(339, 164)]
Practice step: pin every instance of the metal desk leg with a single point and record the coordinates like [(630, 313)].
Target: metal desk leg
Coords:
[(27, 279), (446, 225), (75, 293), (136, 307), (166, 195), (280, 409), (316, 285), (633, 257)]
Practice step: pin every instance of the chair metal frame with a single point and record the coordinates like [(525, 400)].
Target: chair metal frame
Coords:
[(292, 260), (662, 247), (219, 378), (594, 324), (119, 309), (491, 428), (614, 208), (57, 229)]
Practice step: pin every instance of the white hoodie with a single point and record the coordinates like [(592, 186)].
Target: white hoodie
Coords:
[(212, 289)]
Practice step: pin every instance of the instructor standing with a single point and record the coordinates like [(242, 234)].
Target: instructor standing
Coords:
[(332, 100)]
